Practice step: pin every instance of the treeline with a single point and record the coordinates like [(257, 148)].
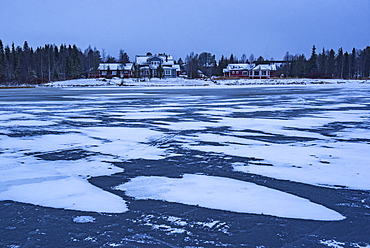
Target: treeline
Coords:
[(20, 65), (206, 64), (328, 64)]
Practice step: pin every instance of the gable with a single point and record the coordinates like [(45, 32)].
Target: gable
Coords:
[(154, 59)]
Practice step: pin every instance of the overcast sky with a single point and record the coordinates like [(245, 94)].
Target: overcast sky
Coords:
[(263, 27)]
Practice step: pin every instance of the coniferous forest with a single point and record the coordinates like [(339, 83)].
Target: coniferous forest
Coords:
[(20, 65)]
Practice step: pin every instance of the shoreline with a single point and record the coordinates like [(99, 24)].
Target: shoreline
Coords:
[(181, 82)]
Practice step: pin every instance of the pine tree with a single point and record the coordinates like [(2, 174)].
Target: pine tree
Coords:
[(233, 59), (312, 67), (339, 63), (353, 64), (222, 64), (160, 71), (331, 63), (123, 57), (181, 64), (76, 62), (260, 59), (137, 72), (364, 61), (2, 62), (346, 65), (109, 73), (322, 64)]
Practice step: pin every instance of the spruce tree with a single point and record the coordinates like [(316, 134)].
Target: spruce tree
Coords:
[(339, 63), (160, 71), (353, 63), (2, 61), (331, 63), (346, 65), (312, 67)]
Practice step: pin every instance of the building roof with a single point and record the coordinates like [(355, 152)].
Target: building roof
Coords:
[(143, 59), (114, 66), (177, 67), (264, 67), (128, 66), (111, 66), (240, 66)]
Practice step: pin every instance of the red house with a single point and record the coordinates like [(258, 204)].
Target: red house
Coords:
[(237, 70), (260, 71)]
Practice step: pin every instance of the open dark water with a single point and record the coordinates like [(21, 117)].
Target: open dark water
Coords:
[(151, 223)]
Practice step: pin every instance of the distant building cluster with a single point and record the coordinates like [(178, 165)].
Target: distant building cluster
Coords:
[(164, 66), (161, 66)]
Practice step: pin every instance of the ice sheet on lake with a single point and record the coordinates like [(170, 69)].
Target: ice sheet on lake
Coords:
[(309, 162), (226, 194), (301, 161), (69, 193), (326, 161), (61, 180)]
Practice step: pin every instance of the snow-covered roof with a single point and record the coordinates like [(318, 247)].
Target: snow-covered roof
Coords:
[(111, 66), (143, 59), (167, 59), (264, 67), (177, 67), (238, 67), (114, 66), (128, 66)]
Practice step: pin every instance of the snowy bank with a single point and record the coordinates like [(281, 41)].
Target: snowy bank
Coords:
[(197, 82)]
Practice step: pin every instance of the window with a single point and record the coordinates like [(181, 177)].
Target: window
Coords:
[(167, 72), (256, 73), (233, 72), (245, 73), (263, 73)]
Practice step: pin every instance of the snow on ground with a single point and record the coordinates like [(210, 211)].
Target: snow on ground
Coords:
[(226, 194), (196, 82)]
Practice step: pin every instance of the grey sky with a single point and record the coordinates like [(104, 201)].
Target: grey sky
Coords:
[(263, 27)]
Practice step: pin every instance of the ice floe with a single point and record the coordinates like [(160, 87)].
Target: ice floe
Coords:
[(226, 194), (59, 179)]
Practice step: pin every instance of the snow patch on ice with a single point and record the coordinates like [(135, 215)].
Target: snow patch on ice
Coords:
[(83, 219), (226, 194)]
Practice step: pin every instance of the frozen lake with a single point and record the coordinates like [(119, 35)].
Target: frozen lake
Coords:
[(276, 166)]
